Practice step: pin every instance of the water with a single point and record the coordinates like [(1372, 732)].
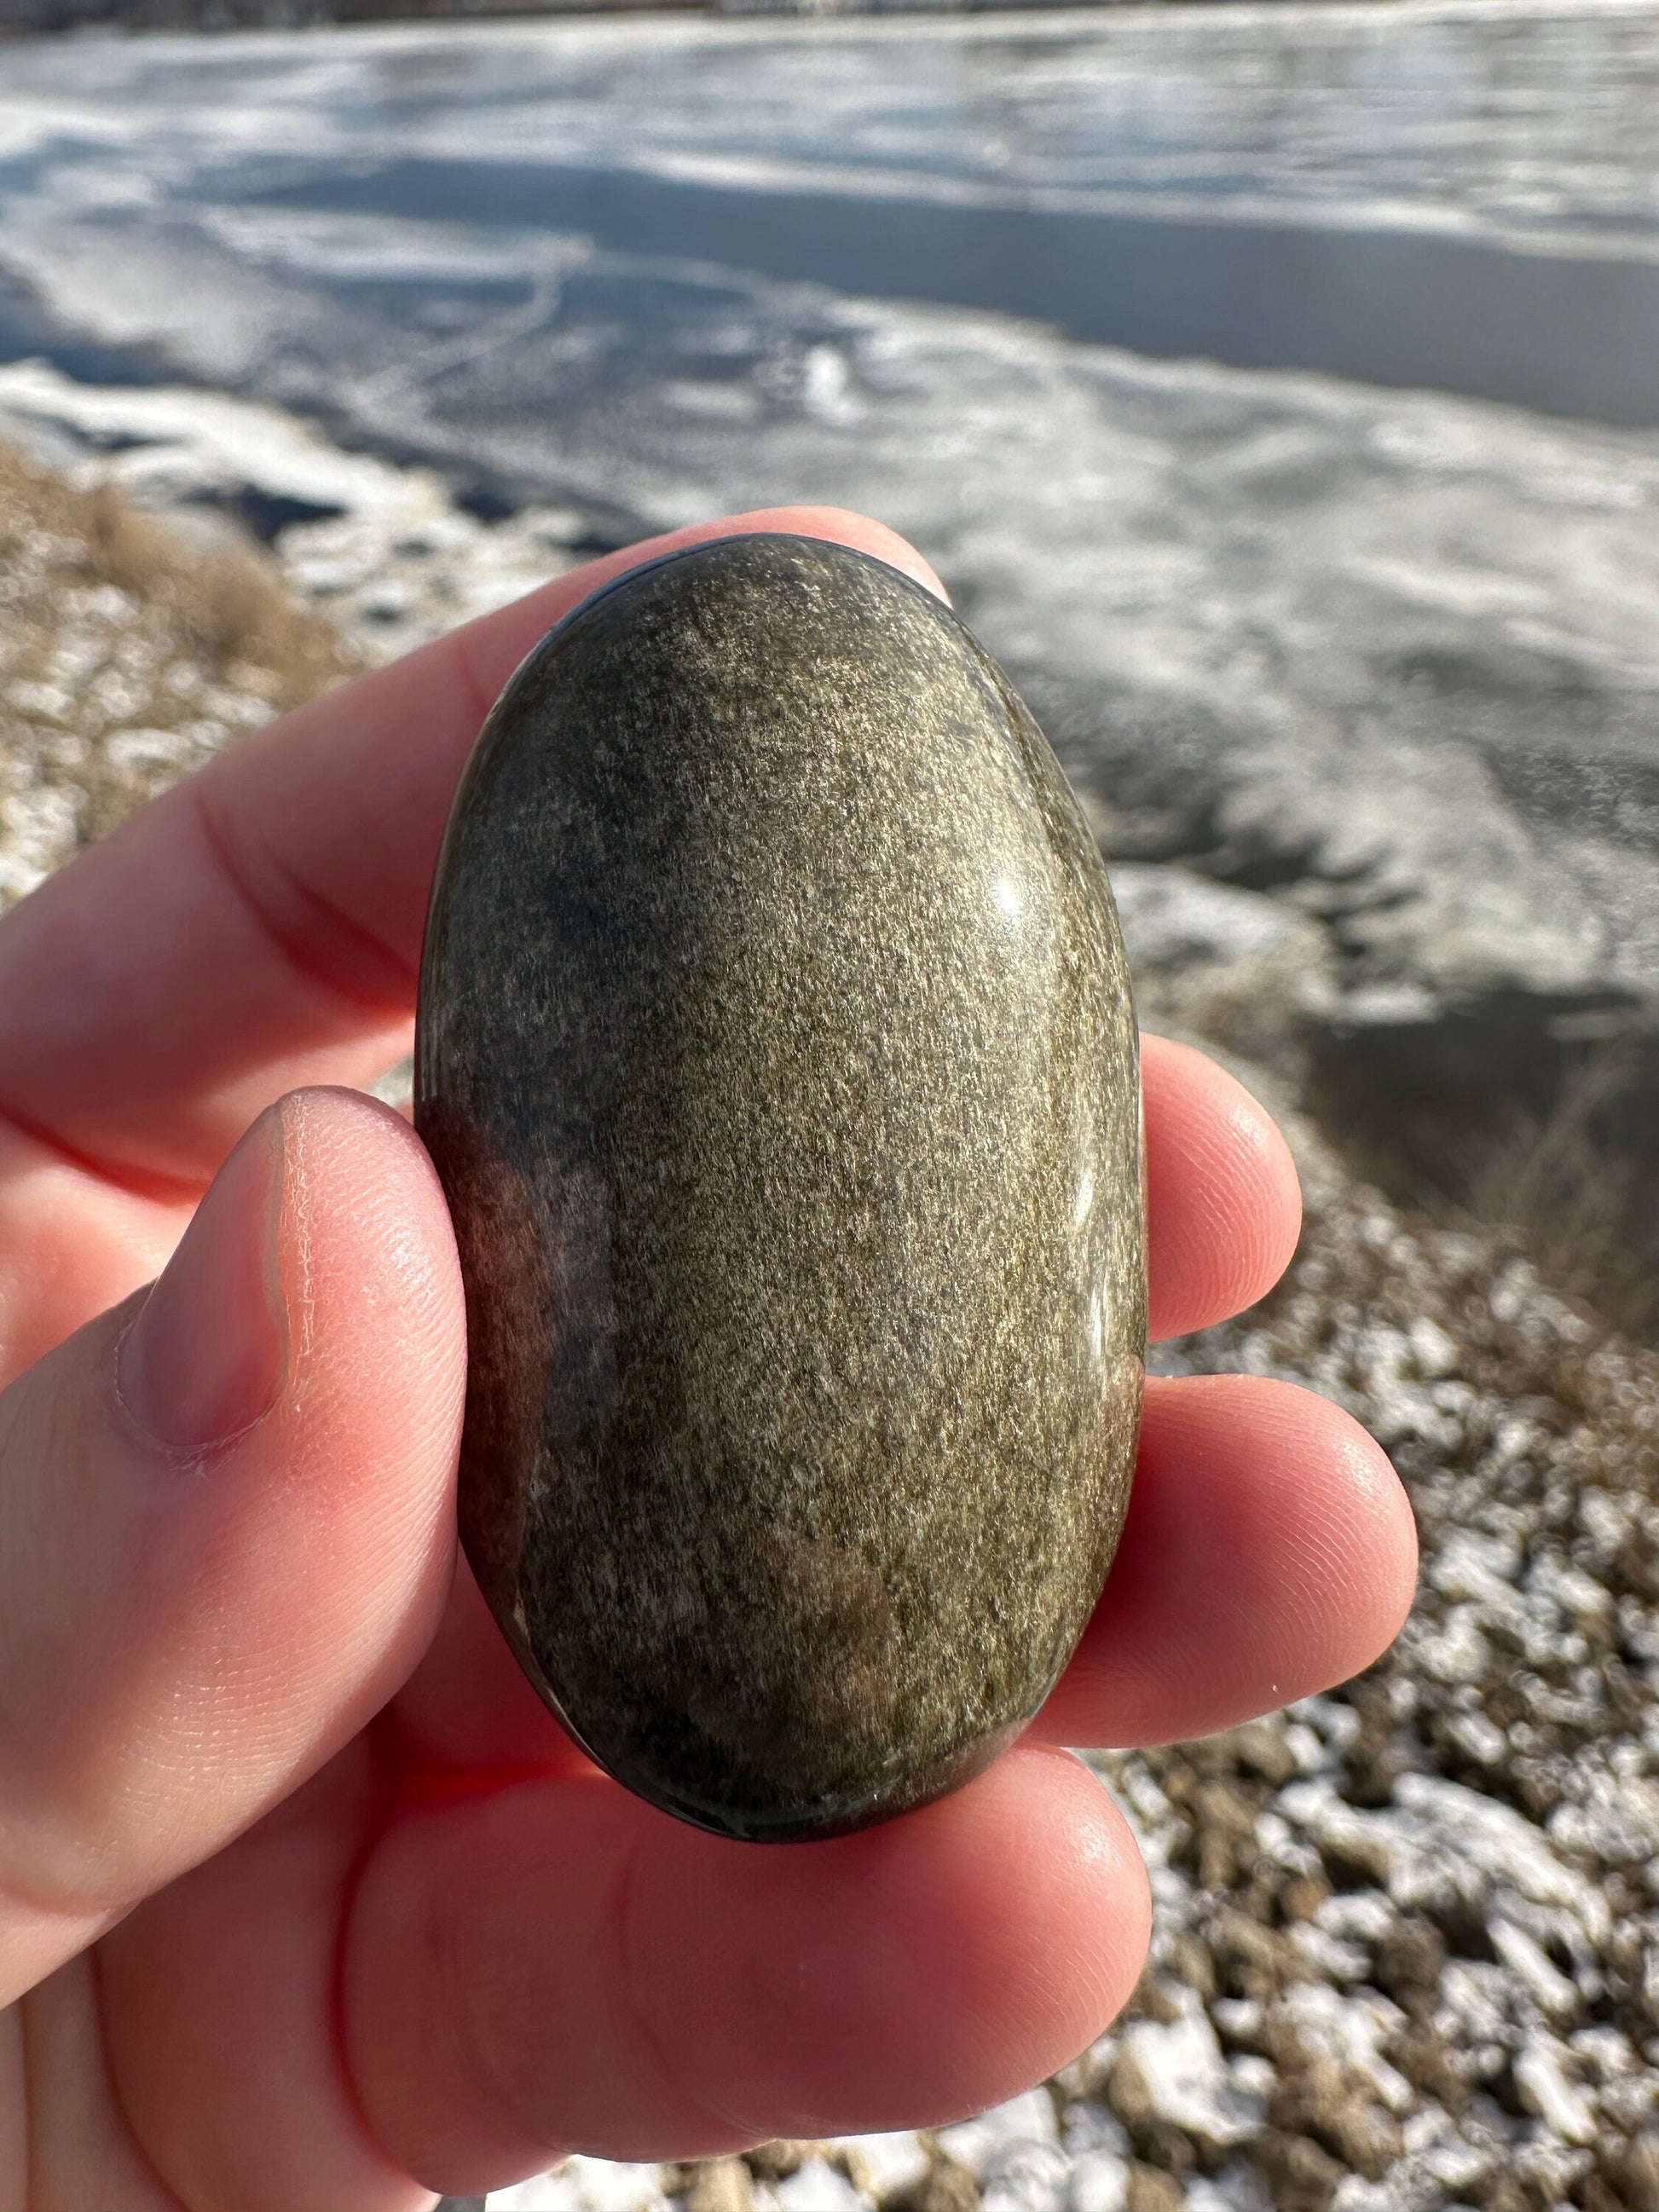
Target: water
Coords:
[(1460, 198), (1277, 390)]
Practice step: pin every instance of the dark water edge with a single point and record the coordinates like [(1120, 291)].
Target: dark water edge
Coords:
[(53, 18), (28, 332), (21, 19), (1571, 332)]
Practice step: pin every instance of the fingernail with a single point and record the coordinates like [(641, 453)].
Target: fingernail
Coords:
[(207, 1354)]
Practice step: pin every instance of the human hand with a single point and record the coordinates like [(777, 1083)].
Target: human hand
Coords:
[(305, 1903)]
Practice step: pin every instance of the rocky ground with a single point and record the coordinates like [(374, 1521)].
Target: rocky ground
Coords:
[(1406, 1953)]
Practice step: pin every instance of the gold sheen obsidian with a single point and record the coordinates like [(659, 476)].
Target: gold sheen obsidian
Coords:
[(776, 1055)]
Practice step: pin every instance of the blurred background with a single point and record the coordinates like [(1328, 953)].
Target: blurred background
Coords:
[(1276, 388)]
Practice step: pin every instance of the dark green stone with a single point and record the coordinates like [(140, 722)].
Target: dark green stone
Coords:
[(776, 1055)]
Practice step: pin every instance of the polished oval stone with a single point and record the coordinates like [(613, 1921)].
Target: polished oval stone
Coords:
[(776, 1055)]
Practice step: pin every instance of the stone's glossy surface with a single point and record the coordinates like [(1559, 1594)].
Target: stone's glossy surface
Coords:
[(777, 1057)]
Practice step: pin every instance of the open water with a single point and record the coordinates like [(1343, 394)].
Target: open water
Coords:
[(1464, 197)]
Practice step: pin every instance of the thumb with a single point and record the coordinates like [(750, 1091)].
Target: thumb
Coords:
[(226, 1521)]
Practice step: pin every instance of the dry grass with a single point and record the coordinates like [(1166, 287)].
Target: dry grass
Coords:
[(1566, 1188), (127, 656), (1576, 1204)]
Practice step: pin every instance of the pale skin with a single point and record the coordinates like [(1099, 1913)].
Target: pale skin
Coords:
[(305, 1904)]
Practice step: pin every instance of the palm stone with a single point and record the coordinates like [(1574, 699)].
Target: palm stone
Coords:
[(776, 1055)]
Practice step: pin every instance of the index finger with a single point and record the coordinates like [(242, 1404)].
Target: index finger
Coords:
[(259, 927)]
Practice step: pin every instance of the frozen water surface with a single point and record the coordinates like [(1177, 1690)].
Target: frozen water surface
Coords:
[(1277, 390), (1441, 196)]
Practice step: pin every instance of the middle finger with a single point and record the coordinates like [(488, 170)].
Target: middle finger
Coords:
[(1269, 1552)]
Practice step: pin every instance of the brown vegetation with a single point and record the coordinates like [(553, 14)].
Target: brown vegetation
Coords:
[(127, 654)]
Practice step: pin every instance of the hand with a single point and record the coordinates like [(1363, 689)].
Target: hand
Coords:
[(306, 1904)]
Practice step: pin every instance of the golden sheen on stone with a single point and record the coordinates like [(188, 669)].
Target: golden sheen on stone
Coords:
[(776, 1055)]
